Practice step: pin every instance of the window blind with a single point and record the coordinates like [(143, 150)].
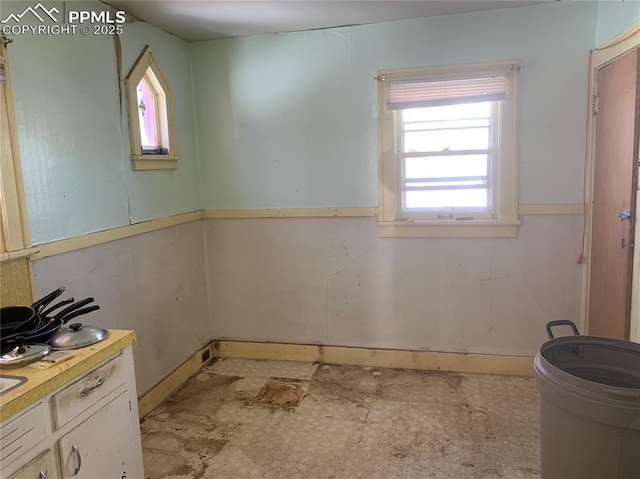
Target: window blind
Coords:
[(402, 94)]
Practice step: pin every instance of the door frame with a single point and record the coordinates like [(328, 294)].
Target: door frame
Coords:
[(618, 46), (14, 224)]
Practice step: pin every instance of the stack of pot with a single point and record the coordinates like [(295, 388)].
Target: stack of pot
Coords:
[(40, 323)]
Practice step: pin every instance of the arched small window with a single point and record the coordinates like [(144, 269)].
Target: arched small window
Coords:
[(153, 145)]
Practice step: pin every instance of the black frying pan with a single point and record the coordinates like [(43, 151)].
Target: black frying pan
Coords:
[(43, 334), (40, 304), (36, 324), (15, 319), (73, 307), (79, 312), (19, 319), (44, 320), (46, 313), (61, 316)]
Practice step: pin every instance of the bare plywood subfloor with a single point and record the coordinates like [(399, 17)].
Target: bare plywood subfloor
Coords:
[(352, 422)]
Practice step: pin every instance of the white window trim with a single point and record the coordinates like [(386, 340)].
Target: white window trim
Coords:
[(14, 230), (165, 110), (505, 222)]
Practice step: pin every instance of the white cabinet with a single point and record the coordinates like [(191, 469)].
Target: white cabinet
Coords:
[(39, 468), (22, 432), (102, 446), (87, 428)]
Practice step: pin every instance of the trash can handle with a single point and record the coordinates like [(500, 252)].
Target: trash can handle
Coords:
[(561, 322)]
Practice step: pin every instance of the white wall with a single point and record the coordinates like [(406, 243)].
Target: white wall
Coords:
[(74, 143), (154, 283), (289, 120), (333, 281)]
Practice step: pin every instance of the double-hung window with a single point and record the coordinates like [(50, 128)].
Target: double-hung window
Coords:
[(448, 150)]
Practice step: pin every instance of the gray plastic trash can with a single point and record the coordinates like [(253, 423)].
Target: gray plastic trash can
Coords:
[(589, 407)]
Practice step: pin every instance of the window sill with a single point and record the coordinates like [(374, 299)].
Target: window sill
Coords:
[(154, 162), (449, 229)]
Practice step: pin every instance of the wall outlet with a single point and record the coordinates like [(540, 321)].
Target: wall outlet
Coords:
[(205, 355)]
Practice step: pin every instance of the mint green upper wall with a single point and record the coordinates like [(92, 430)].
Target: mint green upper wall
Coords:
[(74, 142), (155, 194), (289, 120), (614, 16), (285, 120), (65, 99)]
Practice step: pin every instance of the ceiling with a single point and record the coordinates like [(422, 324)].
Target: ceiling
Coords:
[(196, 20)]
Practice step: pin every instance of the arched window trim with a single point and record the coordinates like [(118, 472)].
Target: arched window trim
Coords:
[(147, 67)]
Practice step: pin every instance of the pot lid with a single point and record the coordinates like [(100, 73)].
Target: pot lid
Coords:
[(22, 355), (77, 336)]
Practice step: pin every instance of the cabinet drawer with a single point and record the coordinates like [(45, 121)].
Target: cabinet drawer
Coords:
[(86, 391), (39, 468), (22, 433)]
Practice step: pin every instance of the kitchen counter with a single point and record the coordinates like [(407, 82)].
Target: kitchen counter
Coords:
[(43, 381)]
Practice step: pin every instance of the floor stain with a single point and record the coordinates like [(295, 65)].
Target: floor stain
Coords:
[(454, 380), (205, 447), (480, 416), (529, 470), (286, 395)]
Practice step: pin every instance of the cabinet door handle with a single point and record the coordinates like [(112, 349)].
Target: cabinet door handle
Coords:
[(42, 475), (88, 389), (76, 451)]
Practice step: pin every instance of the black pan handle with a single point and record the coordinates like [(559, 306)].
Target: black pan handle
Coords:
[(73, 307), (43, 302), (44, 314), (79, 312), (561, 322)]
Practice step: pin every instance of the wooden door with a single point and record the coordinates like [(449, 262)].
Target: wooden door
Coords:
[(615, 175)]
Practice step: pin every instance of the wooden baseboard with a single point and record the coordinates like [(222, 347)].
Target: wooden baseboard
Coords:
[(382, 358), (158, 393)]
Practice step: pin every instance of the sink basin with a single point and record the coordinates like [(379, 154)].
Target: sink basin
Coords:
[(7, 383)]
